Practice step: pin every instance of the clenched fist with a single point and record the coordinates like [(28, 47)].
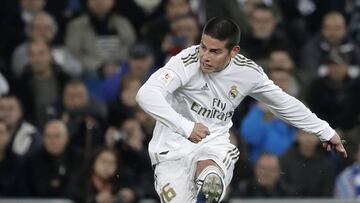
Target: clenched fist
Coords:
[(199, 132)]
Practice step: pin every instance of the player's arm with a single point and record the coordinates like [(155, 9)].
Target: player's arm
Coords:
[(294, 112), (152, 98)]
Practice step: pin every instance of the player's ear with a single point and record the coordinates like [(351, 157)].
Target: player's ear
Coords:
[(235, 50)]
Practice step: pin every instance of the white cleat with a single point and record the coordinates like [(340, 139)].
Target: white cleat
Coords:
[(212, 188)]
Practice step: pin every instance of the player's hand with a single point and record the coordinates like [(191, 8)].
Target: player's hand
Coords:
[(335, 143), (198, 133)]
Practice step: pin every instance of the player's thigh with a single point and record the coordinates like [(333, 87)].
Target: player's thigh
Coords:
[(174, 181)]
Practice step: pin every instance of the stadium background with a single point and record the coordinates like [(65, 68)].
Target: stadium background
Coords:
[(69, 71)]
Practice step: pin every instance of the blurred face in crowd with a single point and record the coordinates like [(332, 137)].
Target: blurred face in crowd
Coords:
[(129, 90), (214, 56), (110, 69), (281, 78), (281, 59), (188, 28), (139, 67), (32, 5), (42, 28), (75, 96), (105, 165), (100, 7), (334, 28), (135, 135), (10, 111), (4, 136), (262, 23), (40, 56), (249, 6), (307, 143), (177, 8), (55, 137), (132, 128), (337, 72), (267, 170)]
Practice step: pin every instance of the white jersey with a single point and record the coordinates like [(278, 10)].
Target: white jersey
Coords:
[(179, 95)]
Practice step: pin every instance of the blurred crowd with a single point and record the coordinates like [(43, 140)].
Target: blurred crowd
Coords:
[(70, 70)]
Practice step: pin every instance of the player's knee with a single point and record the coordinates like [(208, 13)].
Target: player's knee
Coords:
[(201, 165)]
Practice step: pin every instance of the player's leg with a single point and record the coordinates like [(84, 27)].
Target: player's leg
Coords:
[(174, 181), (214, 171)]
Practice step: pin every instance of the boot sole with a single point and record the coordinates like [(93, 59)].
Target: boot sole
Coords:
[(212, 188)]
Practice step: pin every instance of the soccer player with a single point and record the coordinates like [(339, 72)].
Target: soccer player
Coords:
[(193, 98)]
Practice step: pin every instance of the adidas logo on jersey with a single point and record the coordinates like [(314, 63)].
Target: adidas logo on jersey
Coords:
[(205, 87)]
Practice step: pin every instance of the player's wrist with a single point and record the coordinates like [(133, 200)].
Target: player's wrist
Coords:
[(186, 127), (327, 134)]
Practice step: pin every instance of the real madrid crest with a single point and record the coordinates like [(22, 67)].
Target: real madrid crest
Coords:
[(233, 92)]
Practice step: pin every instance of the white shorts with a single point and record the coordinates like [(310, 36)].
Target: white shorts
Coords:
[(175, 179)]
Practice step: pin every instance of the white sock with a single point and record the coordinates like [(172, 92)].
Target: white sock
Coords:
[(207, 170)]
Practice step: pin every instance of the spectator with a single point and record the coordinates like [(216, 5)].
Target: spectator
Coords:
[(10, 165), (63, 12), (141, 61), (155, 31), (280, 59), (83, 116), (185, 32), (267, 182), (141, 64), (232, 9), (43, 26), (303, 17), (41, 83), (333, 39), (262, 131), (264, 35), (335, 96), (99, 36), (14, 26), (101, 183), (306, 170), (129, 142), (238, 10), (347, 184), (24, 139), (140, 12), (50, 169), (248, 6), (125, 106)]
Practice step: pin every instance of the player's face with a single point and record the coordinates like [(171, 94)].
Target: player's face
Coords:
[(214, 56)]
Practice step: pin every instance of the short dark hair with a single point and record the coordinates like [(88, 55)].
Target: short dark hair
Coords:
[(140, 50), (12, 95), (223, 29), (74, 81)]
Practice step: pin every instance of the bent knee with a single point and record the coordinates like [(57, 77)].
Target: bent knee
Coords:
[(201, 165)]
